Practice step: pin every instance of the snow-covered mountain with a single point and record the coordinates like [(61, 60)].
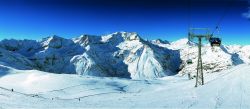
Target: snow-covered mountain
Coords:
[(120, 54), (214, 58), (124, 55)]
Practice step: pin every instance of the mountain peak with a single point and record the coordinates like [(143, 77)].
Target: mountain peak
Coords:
[(121, 36), (56, 42), (182, 43), (86, 39), (53, 37), (159, 41)]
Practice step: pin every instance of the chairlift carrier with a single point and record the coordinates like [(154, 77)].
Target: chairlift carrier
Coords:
[(215, 40)]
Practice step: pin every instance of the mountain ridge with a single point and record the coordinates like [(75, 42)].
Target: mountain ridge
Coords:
[(120, 54)]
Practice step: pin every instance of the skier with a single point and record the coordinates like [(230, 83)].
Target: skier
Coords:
[(12, 90), (189, 76)]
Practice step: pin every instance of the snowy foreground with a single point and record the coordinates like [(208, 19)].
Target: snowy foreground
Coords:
[(35, 89)]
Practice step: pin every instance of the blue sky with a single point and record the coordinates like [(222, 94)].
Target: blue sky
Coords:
[(152, 19)]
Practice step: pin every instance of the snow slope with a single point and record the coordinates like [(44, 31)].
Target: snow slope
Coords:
[(15, 60), (226, 89)]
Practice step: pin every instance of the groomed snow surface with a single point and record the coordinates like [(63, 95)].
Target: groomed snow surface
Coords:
[(36, 89)]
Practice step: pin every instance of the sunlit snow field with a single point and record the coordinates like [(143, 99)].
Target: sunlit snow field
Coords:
[(36, 89)]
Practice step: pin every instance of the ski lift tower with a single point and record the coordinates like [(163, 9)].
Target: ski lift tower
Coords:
[(199, 33)]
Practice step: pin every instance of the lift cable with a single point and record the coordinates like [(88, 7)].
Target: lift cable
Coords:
[(189, 14), (227, 9), (189, 26)]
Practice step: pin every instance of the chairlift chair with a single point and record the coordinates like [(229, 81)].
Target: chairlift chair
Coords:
[(189, 61), (215, 41)]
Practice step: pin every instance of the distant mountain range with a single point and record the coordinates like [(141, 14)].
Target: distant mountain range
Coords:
[(120, 54)]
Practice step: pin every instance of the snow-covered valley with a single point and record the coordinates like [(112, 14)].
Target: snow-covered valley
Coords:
[(120, 70)]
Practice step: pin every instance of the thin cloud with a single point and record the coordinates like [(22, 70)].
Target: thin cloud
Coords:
[(247, 14)]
